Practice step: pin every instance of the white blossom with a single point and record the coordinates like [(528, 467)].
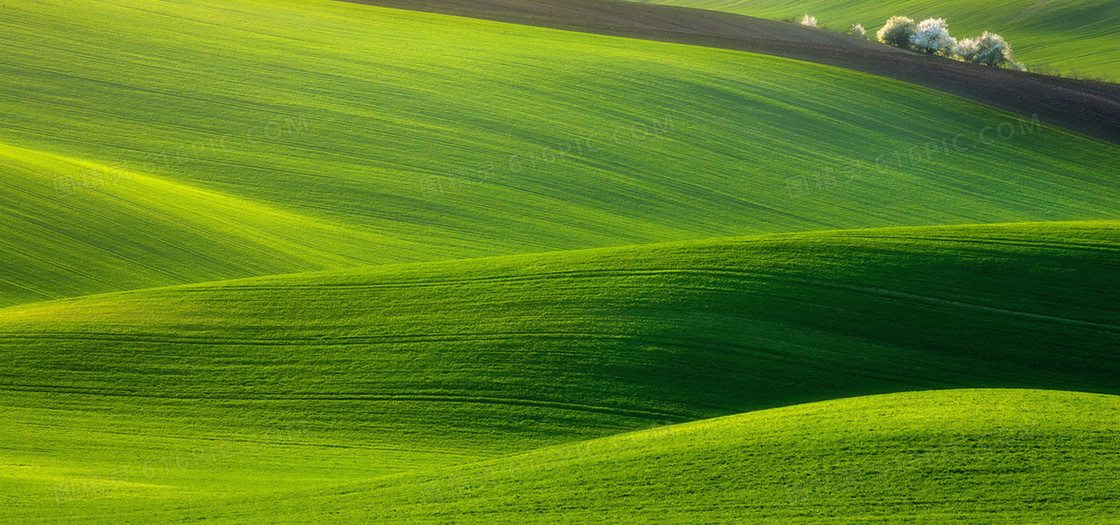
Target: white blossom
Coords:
[(988, 49), (932, 37)]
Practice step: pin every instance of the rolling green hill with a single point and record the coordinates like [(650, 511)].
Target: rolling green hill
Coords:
[(301, 135), (194, 391), (73, 237), (956, 456), (1069, 36), (304, 260)]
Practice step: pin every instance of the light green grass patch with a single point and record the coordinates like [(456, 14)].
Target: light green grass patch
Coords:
[(379, 136)]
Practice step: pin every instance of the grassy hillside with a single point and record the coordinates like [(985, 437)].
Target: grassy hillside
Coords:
[(194, 392), (956, 456), (70, 238), (297, 135), (267, 260), (950, 456), (1076, 37)]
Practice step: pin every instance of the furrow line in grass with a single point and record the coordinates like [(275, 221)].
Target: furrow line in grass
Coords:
[(375, 398), (280, 248), (44, 224), (141, 233), (233, 27), (31, 291), (213, 340), (201, 135), (756, 275), (949, 302), (1106, 248), (51, 263), (361, 160), (165, 71), (534, 277), (241, 241), (172, 95), (155, 270)]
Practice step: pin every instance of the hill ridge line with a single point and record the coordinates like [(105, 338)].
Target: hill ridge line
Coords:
[(250, 283)]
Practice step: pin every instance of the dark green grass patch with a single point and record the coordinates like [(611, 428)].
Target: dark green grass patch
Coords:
[(399, 368)]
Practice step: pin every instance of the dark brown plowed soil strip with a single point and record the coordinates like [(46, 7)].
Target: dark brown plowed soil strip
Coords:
[(1086, 106)]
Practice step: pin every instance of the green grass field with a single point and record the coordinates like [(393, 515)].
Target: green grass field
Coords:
[(400, 368), (311, 261), (1005, 456), (507, 148), (1071, 37), (890, 458)]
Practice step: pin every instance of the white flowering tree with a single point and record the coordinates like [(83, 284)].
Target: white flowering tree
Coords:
[(931, 37), (856, 29), (897, 31), (989, 49), (809, 21)]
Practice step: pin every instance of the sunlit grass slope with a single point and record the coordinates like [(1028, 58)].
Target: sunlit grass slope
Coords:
[(948, 456), (1069, 36), (381, 136), (953, 456), (395, 368), (113, 228)]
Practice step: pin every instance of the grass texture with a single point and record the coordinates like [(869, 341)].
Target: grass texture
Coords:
[(310, 261), (254, 387), (1004, 456), (140, 152)]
